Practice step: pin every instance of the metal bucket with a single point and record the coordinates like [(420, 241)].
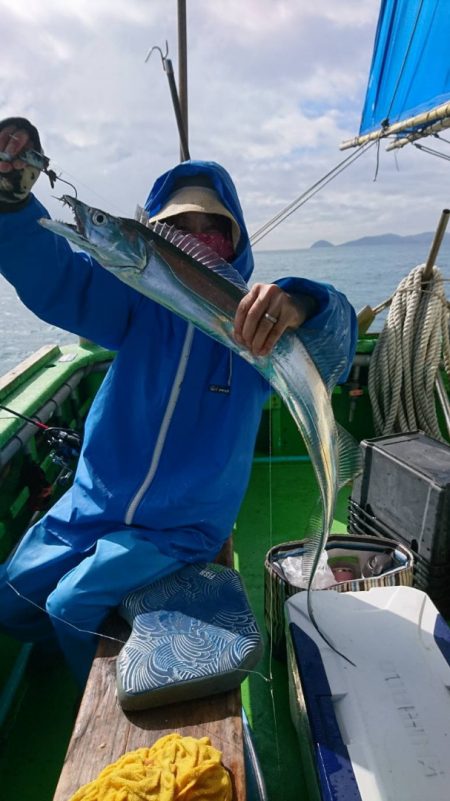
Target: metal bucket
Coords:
[(343, 552)]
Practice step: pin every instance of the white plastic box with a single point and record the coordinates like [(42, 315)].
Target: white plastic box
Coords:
[(378, 730)]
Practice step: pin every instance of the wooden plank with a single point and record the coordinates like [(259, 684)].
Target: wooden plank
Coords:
[(103, 732), (23, 371)]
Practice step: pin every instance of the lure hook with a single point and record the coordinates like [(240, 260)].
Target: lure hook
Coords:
[(63, 181)]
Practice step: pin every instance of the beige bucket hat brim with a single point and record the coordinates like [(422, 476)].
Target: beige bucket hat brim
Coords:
[(200, 199)]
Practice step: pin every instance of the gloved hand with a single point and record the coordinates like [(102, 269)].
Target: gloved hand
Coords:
[(17, 177)]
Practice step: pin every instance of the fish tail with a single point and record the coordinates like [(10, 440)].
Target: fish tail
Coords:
[(318, 629), (316, 540)]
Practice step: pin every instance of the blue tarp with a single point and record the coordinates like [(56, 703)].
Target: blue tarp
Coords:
[(410, 70)]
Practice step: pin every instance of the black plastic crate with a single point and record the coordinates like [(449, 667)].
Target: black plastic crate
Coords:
[(435, 581), (405, 489), (360, 522)]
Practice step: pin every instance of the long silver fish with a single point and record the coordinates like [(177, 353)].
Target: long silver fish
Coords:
[(188, 278)]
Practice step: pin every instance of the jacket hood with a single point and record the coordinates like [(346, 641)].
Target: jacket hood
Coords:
[(221, 182)]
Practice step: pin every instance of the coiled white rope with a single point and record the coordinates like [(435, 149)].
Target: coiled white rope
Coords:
[(406, 359)]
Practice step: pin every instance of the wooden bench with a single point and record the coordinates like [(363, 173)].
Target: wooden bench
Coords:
[(103, 732)]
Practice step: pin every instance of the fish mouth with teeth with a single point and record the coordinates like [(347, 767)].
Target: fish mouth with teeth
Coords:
[(78, 227), (69, 201), (111, 240), (73, 231)]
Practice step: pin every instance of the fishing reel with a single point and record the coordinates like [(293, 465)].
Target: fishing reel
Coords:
[(65, 447)]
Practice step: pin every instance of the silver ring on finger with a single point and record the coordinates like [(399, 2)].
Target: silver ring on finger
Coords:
[(271, 318)]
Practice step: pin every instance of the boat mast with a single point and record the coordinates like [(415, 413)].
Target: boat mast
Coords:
[(182, 75)]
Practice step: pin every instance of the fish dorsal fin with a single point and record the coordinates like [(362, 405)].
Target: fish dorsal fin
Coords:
[(325, 358), (191, 247), (200, 252), (350, 456), (141, 215)]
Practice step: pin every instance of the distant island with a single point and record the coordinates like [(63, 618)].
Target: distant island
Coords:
[(322, 243), (381, 239)]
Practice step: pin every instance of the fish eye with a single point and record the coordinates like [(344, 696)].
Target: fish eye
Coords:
[(98, 218)]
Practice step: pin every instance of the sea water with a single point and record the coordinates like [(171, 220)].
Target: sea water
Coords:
[(368, 275)]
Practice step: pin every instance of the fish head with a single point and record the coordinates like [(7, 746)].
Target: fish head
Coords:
[(114, 241)]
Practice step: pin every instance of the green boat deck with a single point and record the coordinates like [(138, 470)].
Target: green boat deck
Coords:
[(39, 699)]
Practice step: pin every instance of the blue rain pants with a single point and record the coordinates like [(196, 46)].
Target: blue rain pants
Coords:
[(75, 591)]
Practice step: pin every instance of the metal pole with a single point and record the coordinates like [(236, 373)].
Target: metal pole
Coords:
[(182, 72), (184, 147), (443, 400), (367, 315), (168, 69), (437, 241)]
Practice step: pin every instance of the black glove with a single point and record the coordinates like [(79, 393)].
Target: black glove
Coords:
[(17, 178)]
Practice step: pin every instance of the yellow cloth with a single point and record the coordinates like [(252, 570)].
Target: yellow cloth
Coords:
[(175, 768)]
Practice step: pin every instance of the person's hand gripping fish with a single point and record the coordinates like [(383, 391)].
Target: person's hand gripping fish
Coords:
[(265, 313)]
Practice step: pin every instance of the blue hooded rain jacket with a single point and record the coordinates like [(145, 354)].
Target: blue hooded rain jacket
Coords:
[(169, 440)]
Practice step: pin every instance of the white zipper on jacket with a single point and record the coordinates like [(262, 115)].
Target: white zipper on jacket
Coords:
[(173, 398)]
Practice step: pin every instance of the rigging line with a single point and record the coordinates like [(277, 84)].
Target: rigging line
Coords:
[(272, 224), (377, 166), (432, 152), (309, 194), (441, 138), (405, 58), (287, 208)]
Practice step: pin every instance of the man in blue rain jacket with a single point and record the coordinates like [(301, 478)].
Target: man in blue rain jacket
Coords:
[(169, 440)]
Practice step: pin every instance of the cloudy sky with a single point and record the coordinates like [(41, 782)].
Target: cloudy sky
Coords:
[(274, 87)]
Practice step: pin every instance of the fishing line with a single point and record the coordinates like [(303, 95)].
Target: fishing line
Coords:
[(53, 177), (91, 190), (99, 634), (68, 184), (61, 619), (271, 599)]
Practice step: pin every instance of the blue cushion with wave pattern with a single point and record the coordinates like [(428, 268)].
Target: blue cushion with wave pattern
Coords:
[(193, 634)]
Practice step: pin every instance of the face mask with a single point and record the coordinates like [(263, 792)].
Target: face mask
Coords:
[(219, 243)]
